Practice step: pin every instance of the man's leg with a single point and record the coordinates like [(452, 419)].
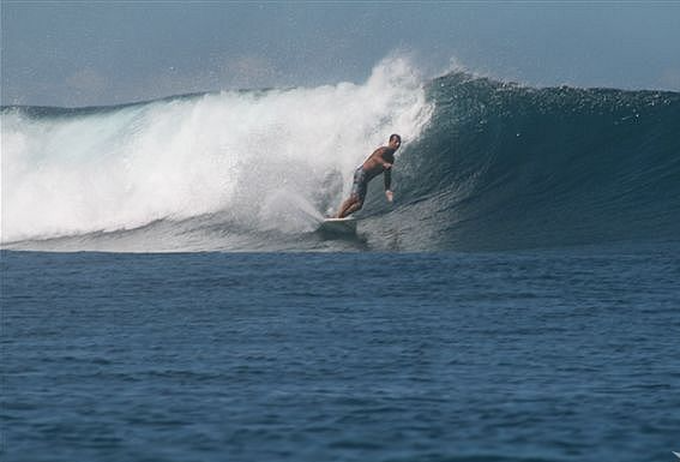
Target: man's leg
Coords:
[(342, 213), (350, 206)]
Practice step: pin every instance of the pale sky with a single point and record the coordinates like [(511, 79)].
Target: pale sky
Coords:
[(68, 53)]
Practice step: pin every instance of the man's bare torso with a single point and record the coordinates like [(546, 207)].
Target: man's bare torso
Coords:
[(381, 159)]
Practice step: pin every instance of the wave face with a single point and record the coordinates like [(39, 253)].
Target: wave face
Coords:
[(515, 167), (485, 165)]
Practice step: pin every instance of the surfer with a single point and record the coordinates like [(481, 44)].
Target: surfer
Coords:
[(379, 162)]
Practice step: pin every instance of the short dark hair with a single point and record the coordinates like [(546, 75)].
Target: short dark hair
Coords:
[(394, 136)]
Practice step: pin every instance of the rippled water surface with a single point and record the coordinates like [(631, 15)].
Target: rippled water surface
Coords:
[(567, 355)]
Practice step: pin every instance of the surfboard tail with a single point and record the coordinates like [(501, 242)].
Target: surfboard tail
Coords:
[(338, 226)]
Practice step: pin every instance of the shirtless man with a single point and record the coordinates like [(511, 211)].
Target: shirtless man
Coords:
[(379, 162)]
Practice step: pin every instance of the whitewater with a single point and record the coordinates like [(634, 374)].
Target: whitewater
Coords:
[(271, 159)]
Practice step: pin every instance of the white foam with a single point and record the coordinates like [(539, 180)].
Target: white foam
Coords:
[(240, 152)]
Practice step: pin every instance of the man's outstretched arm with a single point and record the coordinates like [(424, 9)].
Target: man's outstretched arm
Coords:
[(388, 185)]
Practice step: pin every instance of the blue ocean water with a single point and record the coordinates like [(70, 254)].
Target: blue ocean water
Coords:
[(166, 295), (568, 354)]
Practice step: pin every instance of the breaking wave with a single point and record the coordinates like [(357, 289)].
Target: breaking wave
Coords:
[(484, 165)]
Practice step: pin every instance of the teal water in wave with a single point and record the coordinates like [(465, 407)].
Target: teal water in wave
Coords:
[(504, 166), (563, 355)]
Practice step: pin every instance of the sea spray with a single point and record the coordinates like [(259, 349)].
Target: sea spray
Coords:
[(74, 172)]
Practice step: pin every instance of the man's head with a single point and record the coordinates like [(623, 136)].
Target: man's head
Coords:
[(395, 141)]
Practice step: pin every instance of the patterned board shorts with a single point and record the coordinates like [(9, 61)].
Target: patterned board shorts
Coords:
[(360, 185)]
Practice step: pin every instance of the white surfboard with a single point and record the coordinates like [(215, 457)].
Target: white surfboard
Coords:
[(339, 225)]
